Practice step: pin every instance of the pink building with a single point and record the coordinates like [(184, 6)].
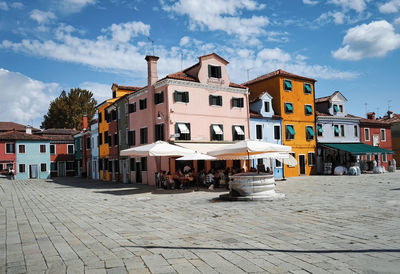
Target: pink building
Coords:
[(198, 108)]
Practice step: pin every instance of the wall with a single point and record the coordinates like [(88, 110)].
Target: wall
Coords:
[(7, 158), (33, 156), (328, 135), (95, 151)]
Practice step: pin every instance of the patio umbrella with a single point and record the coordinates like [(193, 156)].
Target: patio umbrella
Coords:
[(159, 148), (196, 156)]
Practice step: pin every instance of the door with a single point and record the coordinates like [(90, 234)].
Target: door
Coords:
[(33, 171), (88, 165), (113, 170), (302, 164), (62, 169), (138, 172), (125, 171)]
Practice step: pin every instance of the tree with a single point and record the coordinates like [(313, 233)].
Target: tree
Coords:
[(66, 110)]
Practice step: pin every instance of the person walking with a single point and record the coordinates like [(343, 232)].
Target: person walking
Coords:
[(12, 174)]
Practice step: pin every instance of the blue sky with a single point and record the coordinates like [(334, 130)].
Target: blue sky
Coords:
[(50, 45)]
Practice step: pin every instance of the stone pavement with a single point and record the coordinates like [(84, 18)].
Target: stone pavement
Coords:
[(326, 224)]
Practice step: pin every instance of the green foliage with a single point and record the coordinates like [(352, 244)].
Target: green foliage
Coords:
[(66, 110)]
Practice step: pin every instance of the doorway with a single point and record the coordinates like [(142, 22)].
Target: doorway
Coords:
[(61, 169), (302, 164), (138, 172), (33, 171)]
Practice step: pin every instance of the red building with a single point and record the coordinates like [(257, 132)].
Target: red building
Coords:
[(113, 142), (377, 133), (61, 151), (7, 154)]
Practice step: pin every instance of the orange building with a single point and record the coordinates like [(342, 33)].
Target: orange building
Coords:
[(104, 138), (293, 99)]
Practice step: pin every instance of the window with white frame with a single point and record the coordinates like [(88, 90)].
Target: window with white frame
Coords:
[(21, 168), (70, 149), (277, 132), (355, 131), (217, 132), (366, 134), (336, 130), (290, 133), (182, 131), (287, 85), (384, 157), (342, 130), (278, 163), (10, 148), (383, 135), (311, 159), (259, 132), (21, 148), (237, 133), (310, 133)]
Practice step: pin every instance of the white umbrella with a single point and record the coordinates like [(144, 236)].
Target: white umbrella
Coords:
[(248, 148), (159, 148), (196, 156)]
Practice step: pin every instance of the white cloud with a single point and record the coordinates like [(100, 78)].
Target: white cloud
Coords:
[(125, 32), (17, 5), (392, 6), (101, 92), (72, 6), (357, 5), (273, 54), (31, 102), (184, 41), (310, 2), (3, 6), (41, 17), (221, 15), (397, 21), (375, 39)]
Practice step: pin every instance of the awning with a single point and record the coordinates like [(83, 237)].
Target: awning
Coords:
[(291, 129), (336, 128), (310, 131), (308, 87), (289, 106), (217, 130), (309, 108), (183, 129), (335, 108), (239, 130), (358, 148), (288, 84), (202, 147), (320, 130)]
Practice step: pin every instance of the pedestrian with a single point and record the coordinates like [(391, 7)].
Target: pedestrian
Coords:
[(12, 174)]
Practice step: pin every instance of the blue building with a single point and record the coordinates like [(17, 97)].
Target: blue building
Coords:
[(266, 126), (32, 156), (94, 134)]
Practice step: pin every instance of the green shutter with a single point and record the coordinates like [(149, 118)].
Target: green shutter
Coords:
[(319, 128), (219, 100), (310, 131), (186, 95), (176, 96), (289, 107), (209, 70), (287, 85), (309, 109), (210, 99), (291, 129), (336, 128), (335, 108), (219, 72), (307, 88)]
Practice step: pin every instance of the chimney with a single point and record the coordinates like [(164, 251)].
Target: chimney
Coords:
[(390, 114), (151, 69), (85, 122), (371, 115), (28, 130)]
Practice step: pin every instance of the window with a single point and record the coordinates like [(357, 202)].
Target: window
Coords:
[(308, 110), (287, 85), (259, 132), (43, 167), (278, 163), (237, 133), (383, 135), (131, 138), (132, 164), (106, 137), (319, 130), (109, 141), (335, 108), (288, 108), (88, 143), (183, 130), (100, 114), (114, 115), (92, 142), (214, 71), (215, 100), (118, 113), (307, 88), (70, 149), (217, 132), (277, 132), (143, 163), (116, 139), (366, 134), (355, 131), (159, 132), (109, 165), (311, 159), (143, 136), (126, 108), (70, 166), (42, 148), (237, 102), (342, 130), (336, 130), (290, 132), (100, 138), (341, 108), (181, 96), (384, 157), (132, 107), (53, 166), (266, 106), (159, 97), (294, 156), (310, 133), (21, 148), (114, 93), (10, 148), (143, 103), (100, 164), (21, 168), (368, 157)]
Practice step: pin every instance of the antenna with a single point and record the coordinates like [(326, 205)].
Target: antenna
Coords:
[(248, 73), (389, 102), (377, 111), (181, 61), (366, 108), (152, 43)]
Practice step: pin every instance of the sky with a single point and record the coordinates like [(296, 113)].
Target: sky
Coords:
[(47, 46)]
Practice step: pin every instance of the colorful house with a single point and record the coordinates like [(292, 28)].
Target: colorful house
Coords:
[(7, 152), (113, 142), (61, 151), (94, 135), (378, 134), (32, 154), (266, 126), (294, 101), (198, 108), (394, 121)]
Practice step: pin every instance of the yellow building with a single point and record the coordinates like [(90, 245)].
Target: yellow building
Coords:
[(293, 99), (104, 150)]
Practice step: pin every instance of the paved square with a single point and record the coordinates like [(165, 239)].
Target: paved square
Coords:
[(326, 224)]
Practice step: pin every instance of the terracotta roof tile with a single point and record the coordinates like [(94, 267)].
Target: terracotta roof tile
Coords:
[(374, 122), (395, 118), (7, 126), (278, 73), (18, 135)]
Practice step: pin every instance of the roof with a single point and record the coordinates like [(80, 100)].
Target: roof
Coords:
[(254, 114), (278, 73), (130, 88), (323, 114), (327, 98), (395, 118), (7, 126), (357, 148), (18, 135), (377, 123), (59, 131)]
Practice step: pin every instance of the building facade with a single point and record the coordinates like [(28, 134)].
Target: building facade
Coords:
[(394, 121), (7, 152), (294, 101), (266, 126), (94, 135)]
